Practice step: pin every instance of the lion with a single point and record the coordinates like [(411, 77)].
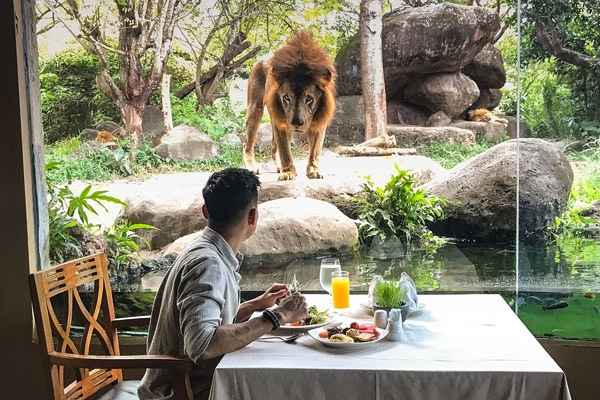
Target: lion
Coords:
[(298, 87), (485, 115), (106, 137)]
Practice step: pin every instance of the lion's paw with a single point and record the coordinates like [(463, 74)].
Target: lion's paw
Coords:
[(316, 174), (287, 176)]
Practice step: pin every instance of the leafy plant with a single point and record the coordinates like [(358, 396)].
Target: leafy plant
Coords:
[(123, 238), (389, 294), (398, 209)]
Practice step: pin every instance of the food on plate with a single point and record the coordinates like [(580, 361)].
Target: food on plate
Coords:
[(314, 317), (341, 338), (352, 333), (362, 333)]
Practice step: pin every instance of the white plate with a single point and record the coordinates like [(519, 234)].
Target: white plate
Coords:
[(314, 333), (304, 328)]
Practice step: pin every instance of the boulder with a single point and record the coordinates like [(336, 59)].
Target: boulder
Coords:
[(186, 143), (511, 128), (490, 131), (153, 125), (88, 134), (482, 192), (418, 41), (488, 98), (438, 119), (416, 136), (451, 93), (348, 124), (293, 228), (400, 112), (172, 203), (264, 139), (487, 68)]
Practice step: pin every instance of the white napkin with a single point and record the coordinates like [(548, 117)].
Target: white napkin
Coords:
[(411, 291)]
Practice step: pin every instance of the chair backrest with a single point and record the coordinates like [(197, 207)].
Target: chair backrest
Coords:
[(61, 304)]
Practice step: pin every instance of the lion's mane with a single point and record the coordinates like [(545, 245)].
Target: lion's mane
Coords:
[(302, 61)]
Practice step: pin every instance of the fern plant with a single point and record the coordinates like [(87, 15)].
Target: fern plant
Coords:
[(397, 209)]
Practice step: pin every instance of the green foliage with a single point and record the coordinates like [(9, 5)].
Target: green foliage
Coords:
[(576, 24), (71, 100), (398, 209), (389, 294), (123, 239), (68, 211), (450, 155), (215, 120), (100, 164), (69, 216)]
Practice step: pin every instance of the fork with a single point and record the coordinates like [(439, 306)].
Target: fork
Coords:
[(287, 339)]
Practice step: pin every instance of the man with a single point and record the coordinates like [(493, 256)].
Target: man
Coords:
[(197, 311)]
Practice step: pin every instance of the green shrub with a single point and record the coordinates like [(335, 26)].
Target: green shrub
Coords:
[(71, 100), (398, 209)]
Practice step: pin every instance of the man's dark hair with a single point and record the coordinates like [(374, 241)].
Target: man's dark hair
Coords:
[(229, 194)]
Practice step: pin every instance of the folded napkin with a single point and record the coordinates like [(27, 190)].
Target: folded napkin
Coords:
[(411, 291)]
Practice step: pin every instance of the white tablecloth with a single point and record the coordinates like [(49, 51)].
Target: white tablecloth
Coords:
[(457, 347)]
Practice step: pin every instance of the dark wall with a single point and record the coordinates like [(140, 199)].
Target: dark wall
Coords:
[(20, 366)]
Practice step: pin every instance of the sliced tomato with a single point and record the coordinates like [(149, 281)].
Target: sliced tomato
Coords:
[(323, 334), (297, 323)]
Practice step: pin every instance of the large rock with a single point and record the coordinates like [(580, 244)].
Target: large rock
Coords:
[(294, 228), (172, 203), (488, 98), (487, 68), (482, 192), (416, 136), (186, 143), (419, 41), (153, 124), (490, 131), (451, 93)]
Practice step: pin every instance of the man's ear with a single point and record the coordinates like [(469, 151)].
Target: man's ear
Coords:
[(253, 216), (204, 211)]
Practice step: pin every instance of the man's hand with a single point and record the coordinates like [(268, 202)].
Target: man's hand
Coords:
[(292, 308), (272, 296)]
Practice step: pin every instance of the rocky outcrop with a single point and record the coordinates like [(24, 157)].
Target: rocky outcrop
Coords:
[(483, 192), (186, 143), (173, 202), (421, 41), (435, 58)]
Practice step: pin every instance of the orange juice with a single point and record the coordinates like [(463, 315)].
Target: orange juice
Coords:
[(340, 289)]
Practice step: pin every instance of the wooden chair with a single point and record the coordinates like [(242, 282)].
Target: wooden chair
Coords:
[(66, 353)]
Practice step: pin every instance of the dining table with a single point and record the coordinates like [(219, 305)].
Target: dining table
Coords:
[(452, 346)]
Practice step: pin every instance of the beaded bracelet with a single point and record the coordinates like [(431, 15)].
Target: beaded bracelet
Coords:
[(270, 315)]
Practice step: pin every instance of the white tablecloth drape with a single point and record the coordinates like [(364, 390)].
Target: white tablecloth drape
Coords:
[(457, 347)]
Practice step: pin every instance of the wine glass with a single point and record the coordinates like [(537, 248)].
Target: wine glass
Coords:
[(328, 265)]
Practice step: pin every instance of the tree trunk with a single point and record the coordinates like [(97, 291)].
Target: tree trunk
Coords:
[(132, 118), (371, 68), (166, 103)]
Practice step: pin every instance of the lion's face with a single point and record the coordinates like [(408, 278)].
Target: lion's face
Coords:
[(299, 104)]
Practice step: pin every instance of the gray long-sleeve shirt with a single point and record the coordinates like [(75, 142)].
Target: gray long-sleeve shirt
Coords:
[(200, 292)]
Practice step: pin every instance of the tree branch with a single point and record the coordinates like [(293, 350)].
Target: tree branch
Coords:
[(553, 45)]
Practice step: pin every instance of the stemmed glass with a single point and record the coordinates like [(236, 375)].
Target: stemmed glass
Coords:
[(328, 265)]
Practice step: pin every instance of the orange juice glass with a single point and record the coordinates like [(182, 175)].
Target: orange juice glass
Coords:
[(340, 289)]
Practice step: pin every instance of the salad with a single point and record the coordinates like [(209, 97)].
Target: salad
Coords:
[(314, 317)]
